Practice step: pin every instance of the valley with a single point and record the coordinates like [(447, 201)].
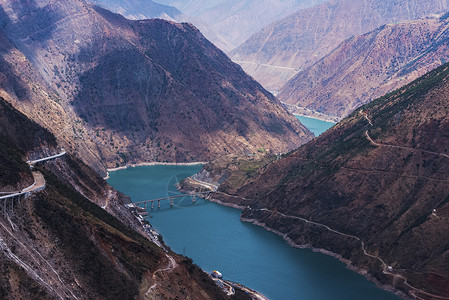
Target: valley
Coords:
[(114, 125)]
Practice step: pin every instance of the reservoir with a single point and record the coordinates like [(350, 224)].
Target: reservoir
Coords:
[(315, 125), (215, 238)]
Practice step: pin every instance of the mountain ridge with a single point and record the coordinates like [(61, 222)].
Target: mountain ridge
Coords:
[(367, 66), (304, 37), (113, 97)]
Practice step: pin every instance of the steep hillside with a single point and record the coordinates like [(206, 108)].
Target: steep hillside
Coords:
[(14, 147), (116, 91), (278, 51), (367, 66), (58, 244), (234, 21), (373, 189)]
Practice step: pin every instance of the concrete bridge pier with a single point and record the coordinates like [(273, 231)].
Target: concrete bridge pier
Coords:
[(193, 199), (158, 203), (171, 202), (152, 203)]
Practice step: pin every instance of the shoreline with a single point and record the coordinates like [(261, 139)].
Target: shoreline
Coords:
[(324, 119), (239, 207), (155, 163), (365, 273), (305, 112), (349, 264)]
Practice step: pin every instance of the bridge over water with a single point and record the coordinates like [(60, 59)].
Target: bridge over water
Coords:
[(171, 198)]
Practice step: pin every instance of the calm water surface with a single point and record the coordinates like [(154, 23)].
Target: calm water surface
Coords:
[(215, 238), (315, 125)]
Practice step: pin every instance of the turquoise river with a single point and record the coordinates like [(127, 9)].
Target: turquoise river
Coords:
[(315, 125), (215, 238)]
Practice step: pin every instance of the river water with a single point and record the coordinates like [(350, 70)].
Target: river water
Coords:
[(215, 238), (315, 125)]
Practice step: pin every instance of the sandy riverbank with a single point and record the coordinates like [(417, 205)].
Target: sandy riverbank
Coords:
[(152, 164)]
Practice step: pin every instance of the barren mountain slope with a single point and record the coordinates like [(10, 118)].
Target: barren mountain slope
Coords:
[(372, 189), (367, 66), (302, 38), (116, 91)]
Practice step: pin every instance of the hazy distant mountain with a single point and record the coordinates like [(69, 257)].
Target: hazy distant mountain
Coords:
[(116, 91), (303, 38), (235, 20), (367, 66), (140, 9), (147, 9)]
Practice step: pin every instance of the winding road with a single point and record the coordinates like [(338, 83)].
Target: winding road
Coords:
[(414, 290), (402, 147), (171, 265), (210, 186), (39, 180)]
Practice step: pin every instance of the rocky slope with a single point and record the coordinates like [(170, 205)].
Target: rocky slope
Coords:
[(373, 189), (58, 244), (367, 66), (116, 91), (278, 51)]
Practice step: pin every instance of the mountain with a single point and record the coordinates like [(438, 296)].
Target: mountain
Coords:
[(140, 9), (280, 50), (59, 244), (233, 21), (117, 92), (372, 190), (367, 66)]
